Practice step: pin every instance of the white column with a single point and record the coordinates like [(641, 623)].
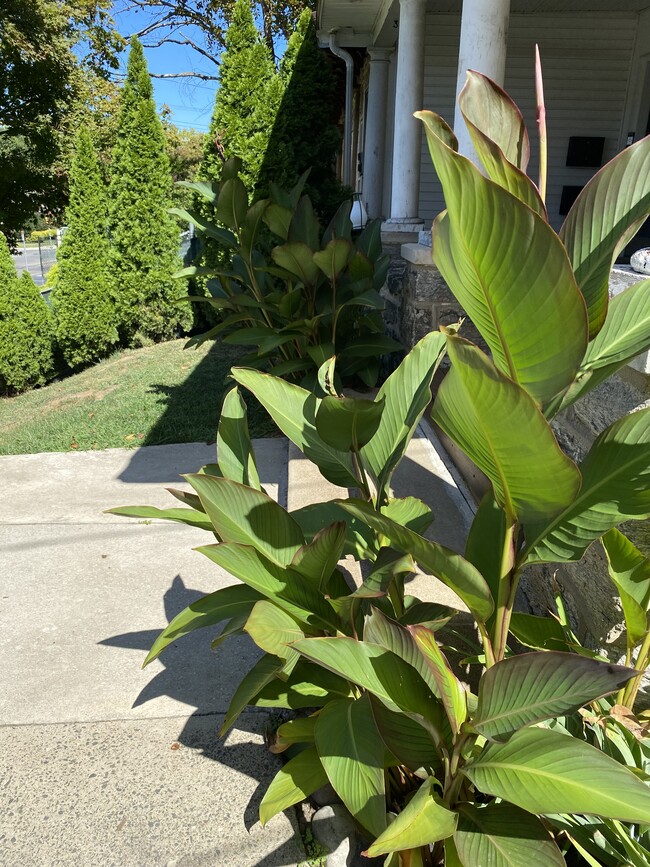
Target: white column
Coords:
[(373, 152), (409, 95), (483, 43)]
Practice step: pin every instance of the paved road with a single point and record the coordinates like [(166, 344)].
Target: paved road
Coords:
[(28, 259)]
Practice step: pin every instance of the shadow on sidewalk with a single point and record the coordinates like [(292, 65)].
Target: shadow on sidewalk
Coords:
[(189, 676)]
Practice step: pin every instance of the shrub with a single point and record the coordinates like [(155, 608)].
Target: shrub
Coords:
[(84, 313), (42, 235), (315, 294), (26, 334), (145, 240)]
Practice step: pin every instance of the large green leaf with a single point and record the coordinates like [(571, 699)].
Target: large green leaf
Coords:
[(346, 423), (307, 686), (221, 605), (532, 687), (500, 137), (333, 258), (540, 633), (615, 488), (406, 394), (223, 236), (506, 266), (293, 783), (499, 426), (625, 334), (374, 668), (298, 259), (447, 566), (191, 517), (232, 204), (352, 754), (299, 730), (234, 449), (629, 569), (359, 538), (242, 514), (287, 589), (410, 743), (274, 630), (388, 566), (502, 835), (294, 410), (265, 670), (424, 820), (409, 512), (317, 559), (605, 212), (547, 772), (382, 630), (485, 546), (450, 689)]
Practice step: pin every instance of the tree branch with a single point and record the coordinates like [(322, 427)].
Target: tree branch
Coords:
[(203, 76)]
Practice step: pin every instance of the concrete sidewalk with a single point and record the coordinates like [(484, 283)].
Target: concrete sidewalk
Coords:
[(103, 763)]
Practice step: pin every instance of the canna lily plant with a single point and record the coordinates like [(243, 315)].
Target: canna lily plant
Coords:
[(434, 773)]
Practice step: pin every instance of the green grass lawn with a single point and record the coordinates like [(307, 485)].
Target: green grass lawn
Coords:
[(160, 394)]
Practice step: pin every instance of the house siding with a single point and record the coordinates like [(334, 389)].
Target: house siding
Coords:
[(586, 63)]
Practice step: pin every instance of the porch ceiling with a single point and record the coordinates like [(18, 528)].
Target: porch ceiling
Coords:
[(365, 22)]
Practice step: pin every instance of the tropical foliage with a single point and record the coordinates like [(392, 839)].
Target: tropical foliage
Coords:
[(311, 296), (432, 771)]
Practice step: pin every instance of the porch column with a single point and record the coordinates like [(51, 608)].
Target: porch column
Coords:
[(409, 95), (373, 152), (483, 43)]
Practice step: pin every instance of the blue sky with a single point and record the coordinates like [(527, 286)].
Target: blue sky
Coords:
[(190, 99)]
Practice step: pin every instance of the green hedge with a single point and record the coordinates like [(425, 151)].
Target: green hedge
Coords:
[(26, 335)]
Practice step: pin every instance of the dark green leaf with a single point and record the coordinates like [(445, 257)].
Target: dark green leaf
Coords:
[(533, 687), (352, 754), (234, 449), (294, 782), (423, 821), (347, 423), (449, 567), (502, 835), (613, 201), (500, 427), (546, 772)]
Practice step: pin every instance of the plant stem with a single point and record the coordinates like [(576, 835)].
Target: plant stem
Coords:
[(632, 687), (541, 125), (506, 595), (359, 469)]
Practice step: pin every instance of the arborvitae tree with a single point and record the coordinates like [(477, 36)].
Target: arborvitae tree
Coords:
[(25, 329), (84, 314), (305, 134), (246, 102), (145, 239)]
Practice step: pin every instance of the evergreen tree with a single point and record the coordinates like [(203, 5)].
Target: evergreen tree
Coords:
[(144, 238), (84, 314), (25, 329), (246, 102), (305, 134)]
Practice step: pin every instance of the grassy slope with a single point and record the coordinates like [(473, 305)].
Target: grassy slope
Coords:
[(160, 394)]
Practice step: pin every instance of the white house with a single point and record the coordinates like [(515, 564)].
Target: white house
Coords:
[(596, 64)]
